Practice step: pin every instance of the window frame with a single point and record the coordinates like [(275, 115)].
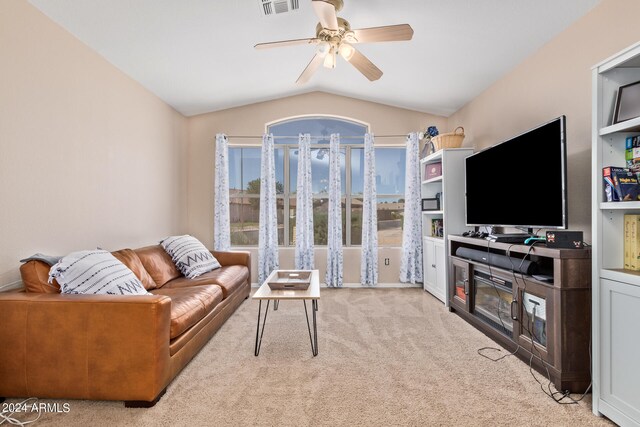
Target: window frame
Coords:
[(347, 197)]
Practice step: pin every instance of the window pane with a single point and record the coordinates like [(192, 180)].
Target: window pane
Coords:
[(390, 170), (356, 221), (245, 168), (320, 222), (390, 220), (319, 126), (319, 170), (244, 213), (357, 171)]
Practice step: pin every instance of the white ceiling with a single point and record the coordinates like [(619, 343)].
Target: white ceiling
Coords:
[(198, 55)]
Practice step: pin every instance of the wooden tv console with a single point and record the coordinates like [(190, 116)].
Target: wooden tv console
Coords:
[(511, 307)]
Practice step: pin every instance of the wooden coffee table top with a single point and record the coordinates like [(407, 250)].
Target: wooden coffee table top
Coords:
[(312, 292)]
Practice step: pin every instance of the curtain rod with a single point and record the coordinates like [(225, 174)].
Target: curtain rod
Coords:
[(313, 136)]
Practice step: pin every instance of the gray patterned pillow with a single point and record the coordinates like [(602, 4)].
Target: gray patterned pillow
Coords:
[(190, 256), (95, 272)]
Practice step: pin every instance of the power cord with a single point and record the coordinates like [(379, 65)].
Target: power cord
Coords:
[(549, 392), (7, 416)]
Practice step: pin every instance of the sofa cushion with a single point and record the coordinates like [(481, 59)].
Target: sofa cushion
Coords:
[(158, 264), (35, 276), (189, 305), (229, 278), (129, 258), (190, 256), (95, 272)]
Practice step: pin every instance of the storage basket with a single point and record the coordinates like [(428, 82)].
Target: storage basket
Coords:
[(449, 140)]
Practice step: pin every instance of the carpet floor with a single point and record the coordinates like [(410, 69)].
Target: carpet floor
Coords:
[(386, 357)]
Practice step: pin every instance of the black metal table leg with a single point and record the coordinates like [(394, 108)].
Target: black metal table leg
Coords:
[(314, 339), (264, 322)]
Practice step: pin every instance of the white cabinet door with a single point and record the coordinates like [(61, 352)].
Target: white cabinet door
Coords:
[(429, 264), (434, 264), (620, 351)]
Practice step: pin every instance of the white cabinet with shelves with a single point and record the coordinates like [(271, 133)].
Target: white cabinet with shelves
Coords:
[(616, 291), (448, 219)]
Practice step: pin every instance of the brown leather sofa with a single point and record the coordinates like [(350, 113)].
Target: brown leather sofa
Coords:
[(106, 347)]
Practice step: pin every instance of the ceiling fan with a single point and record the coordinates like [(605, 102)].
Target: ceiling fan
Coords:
[(334, 36)]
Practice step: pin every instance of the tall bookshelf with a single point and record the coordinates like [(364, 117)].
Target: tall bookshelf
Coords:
[(450, 184), (616, 291)]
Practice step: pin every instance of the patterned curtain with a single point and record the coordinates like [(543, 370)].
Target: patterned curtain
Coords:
[(411, 262), (369, 262), (304, 206), (221, 224), (268, 234), (333, 277)]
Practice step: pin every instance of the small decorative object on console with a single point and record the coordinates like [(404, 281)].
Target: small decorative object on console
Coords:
[(431, 204), (432, 170), (565, 239)]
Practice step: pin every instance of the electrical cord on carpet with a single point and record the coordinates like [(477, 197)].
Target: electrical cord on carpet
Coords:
[(7, 416)]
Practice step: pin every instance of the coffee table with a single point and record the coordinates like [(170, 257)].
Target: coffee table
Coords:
[(311, 293)]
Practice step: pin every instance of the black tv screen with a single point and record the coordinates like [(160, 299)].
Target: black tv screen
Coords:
[(521, 182)]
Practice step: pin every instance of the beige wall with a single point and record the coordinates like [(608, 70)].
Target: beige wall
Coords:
[(555, 80), (88, 157), (250, 120)]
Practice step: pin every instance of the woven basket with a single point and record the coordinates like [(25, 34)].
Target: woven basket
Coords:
[(448, 140)]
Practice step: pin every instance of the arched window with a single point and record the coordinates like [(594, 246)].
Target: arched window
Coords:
[(244, 182)]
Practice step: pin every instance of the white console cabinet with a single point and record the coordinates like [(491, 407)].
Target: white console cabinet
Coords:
[(449, 186)]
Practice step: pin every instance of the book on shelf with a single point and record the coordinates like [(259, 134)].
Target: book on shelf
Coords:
[(631, 242), (620, 184)]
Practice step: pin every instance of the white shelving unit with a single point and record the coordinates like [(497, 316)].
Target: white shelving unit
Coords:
[(616, 291), (451, 186)]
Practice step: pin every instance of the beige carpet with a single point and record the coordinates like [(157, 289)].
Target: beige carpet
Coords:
[(387, 357)]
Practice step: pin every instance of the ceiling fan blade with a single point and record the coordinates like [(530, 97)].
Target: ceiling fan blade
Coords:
[(281, 43), (365, 66), (311, 68), (383, 34), (326, 14)]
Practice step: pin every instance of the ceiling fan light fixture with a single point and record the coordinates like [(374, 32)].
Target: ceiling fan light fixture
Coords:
[(323, 48), (330, 59), (346, 51)]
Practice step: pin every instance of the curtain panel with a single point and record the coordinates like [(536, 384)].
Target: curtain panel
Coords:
[(369, 261), (411, 261), (268, 233), (221, 224), (304, 206), (334, 275)]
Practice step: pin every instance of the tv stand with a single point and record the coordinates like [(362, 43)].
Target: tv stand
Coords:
[(549, 318)]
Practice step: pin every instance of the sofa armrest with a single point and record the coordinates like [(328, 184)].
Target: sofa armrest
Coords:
[(102, 347), (234, 258)]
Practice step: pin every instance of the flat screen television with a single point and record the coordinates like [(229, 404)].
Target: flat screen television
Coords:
[(521, 182)]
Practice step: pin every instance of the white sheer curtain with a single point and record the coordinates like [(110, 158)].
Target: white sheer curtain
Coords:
[(369, 262), (411, 261), (334, 276), (221, 224), (304, 206), (268, 234)]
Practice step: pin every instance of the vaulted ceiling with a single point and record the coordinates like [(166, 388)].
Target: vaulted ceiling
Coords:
[(198, 55)]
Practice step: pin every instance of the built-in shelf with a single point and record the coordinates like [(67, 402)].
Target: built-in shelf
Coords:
[(606, 206), (437, 156), (632, 125), (432, 212), (621, 275), (433, 238), (436, 179)]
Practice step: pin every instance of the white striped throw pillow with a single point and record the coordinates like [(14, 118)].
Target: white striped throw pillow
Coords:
[(95, 272), (190, 256)]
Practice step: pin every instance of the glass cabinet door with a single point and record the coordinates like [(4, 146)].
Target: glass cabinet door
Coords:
[(460, 284)]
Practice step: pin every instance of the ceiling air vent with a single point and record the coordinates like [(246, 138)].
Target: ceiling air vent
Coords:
[(271, 7)]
